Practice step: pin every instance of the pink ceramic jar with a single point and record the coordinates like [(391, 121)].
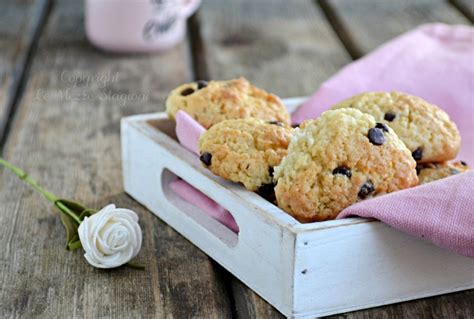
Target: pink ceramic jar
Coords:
[(137, 25)]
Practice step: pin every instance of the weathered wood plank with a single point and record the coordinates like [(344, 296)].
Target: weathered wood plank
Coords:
[(456, 305), (249, 305), (465, 6), (287, 49), (370, 23), (20, 22), (66, 133)]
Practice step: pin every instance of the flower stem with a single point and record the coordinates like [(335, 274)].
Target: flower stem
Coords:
[(63, 208), (134, 266), (46, 194)]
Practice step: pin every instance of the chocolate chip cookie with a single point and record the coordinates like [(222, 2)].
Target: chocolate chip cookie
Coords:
[(430, 172), (245, 151), (339, 159), (425, 129), (212, 102)]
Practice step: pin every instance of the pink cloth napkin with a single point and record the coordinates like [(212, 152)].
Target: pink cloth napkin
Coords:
[(195, 197), (441, 211), (435, 62), (188, 131)]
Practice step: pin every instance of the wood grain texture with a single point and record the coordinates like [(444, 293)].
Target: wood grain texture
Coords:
[(19, 25), (455, 305), (66, 134), (249, 305), (288, 49), (465, 6), (370, 23)]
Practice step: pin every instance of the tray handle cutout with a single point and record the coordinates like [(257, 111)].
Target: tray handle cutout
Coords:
[(222, 224)]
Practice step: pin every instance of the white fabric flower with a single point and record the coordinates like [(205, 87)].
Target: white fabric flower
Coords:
[(111, 237)]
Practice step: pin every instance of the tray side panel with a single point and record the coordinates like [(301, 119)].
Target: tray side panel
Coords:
[(371, 264), (262, 254)]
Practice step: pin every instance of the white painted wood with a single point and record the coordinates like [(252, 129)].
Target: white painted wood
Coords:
[(371, 264), (148, 160), (304, 270)]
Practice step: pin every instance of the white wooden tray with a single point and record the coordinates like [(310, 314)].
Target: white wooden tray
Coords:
[(304, 270)]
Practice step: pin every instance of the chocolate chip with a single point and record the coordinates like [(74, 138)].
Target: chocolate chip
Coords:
[(201, 84), (366, 189), (343, 170), (270, 171), (417, 154), (276, 123), (463, 163), (454, 171), (382, 126), (187, 91), (295, 125), (267, 191), (419, 167), (376, 136), (389, 116), (206, 158)]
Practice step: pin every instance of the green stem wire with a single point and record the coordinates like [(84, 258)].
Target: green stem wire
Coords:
[(67, 211), (53, 199), (48, 195)]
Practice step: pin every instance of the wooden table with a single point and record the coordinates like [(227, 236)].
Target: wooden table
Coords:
[(64, 129)]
